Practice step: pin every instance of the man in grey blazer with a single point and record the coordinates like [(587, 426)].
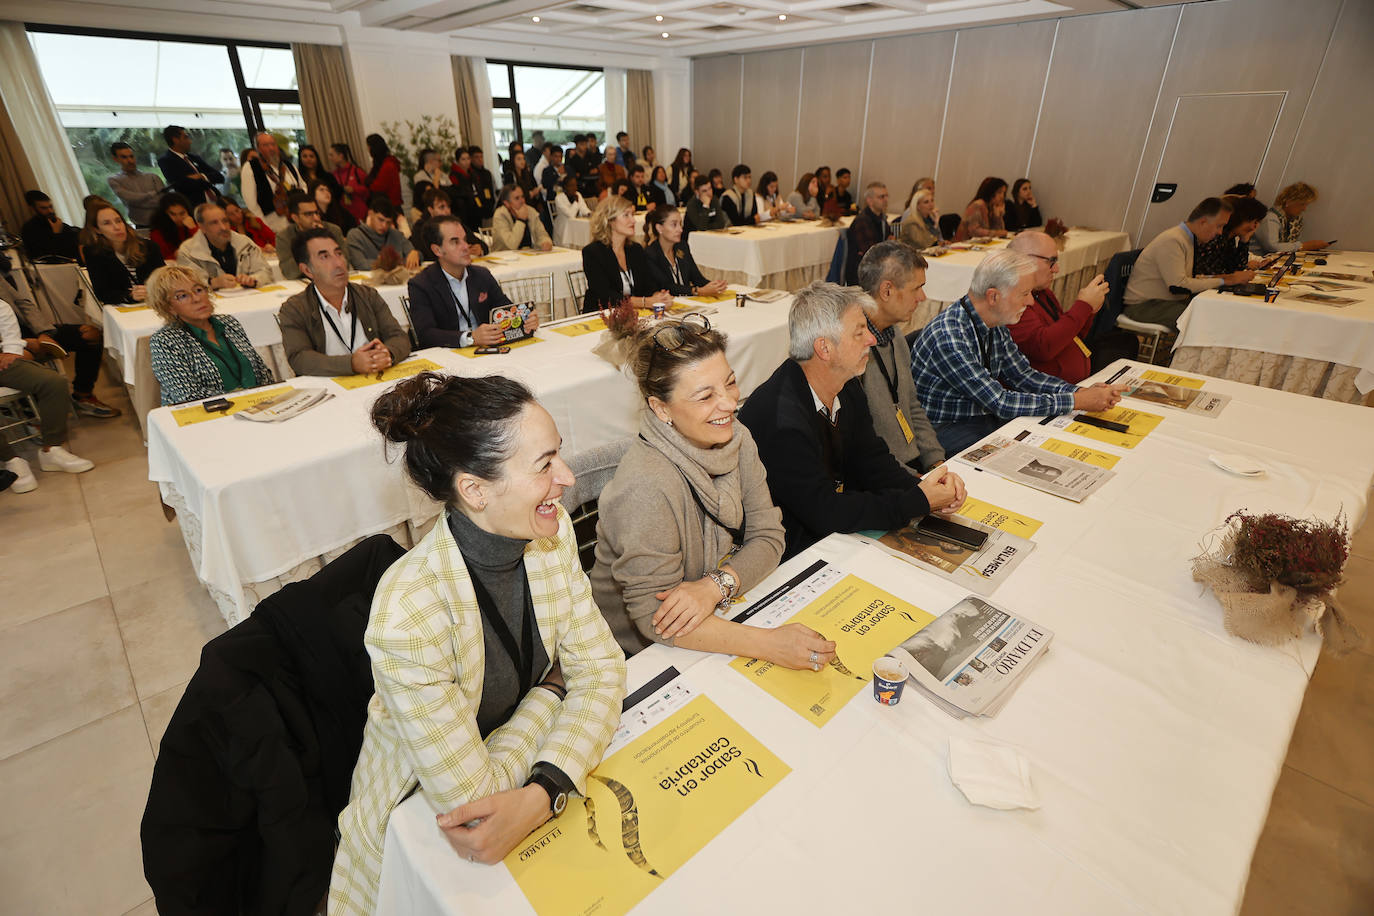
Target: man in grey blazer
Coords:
[(334, 327)]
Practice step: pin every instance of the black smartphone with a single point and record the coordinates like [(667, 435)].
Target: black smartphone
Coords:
[(491, 351), (946, 530), (217, 405)]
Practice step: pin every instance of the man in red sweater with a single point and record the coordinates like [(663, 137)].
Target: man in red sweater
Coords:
[(1051, 337)]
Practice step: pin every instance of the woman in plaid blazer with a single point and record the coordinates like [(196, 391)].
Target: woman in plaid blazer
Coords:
[(494, 725)]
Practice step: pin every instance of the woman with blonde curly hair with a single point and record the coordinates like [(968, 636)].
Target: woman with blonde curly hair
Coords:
[(1281, 228), (198, 354), (614, 264)]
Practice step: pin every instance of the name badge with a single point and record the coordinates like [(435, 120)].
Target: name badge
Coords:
[(906, 427), (1082, 346)]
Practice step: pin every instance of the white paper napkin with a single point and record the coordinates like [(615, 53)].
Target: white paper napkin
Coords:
[(992, 775)]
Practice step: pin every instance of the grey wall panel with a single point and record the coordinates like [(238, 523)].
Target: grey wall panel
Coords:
[(999, 74), (1241, 46), (1332, 152), (716, 111), (772, 86), (906, 104), (1101, 91), (834, 90)]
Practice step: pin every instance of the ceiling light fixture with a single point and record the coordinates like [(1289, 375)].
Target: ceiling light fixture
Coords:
[(782, 17), (658, 19), (534, 19)]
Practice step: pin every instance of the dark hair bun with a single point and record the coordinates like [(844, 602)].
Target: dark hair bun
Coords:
[(406, 410)]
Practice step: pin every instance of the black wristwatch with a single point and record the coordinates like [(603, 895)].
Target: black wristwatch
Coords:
[(558, 799)]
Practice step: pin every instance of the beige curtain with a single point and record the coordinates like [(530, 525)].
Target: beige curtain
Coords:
[(639, 109), (16, 175), (328, 102), (467, 89)]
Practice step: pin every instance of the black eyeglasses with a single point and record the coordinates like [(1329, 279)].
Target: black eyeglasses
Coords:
[(673, 335), (1050, 261)]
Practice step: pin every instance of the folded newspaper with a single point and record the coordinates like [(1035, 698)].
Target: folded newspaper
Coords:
[(1058, 475), (290, 403), (970, 658)]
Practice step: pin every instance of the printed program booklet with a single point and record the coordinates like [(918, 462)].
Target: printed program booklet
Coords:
[(1056, 474), (979, 570), (970, 658), (1178, 392), (290, 403)]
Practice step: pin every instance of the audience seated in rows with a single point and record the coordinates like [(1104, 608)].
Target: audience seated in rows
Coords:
[(49, 390), (327, 194), (351, 179), (770, 201), (687, 523), (245, 222), (305, 215), (267, 181), (172, 224), (869, 228), (984, 215), (197, 354), (568, 206), (226, 257), (717, 184), (1229, 252), (805, 201), (894, 277), (503, 551), (334, 327), (137, 190), (642, 195), (117, 260), (187, 173), (739, 203), (452, 299), (828, 470), (523, 177), (969, 374), (614, 264), (367, 239), (1022, 211), (1053, 339), (1162, 281), (921, 225), (45, 235), (669, 261), (1281, 229), (703, 213), (517, 224), (658, 178)]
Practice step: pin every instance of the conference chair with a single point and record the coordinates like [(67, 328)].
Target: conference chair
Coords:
[(577, 288), (593, 469), (410, 324), (949, 224), (1150, 335), (18, 411), (537, 289)]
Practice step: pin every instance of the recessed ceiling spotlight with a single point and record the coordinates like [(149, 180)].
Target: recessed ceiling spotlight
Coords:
[(782, 17), (658, 19), (534, 19), (665, 34)]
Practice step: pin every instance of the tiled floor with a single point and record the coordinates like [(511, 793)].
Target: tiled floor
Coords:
[(101, 625)]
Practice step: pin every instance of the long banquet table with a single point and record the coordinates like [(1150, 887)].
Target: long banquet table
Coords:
[(1291, 344), (259, 504), (1154, 738)]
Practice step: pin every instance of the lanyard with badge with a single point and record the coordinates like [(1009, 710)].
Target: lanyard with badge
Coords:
[(892, 390), (352, 326), (464, 312)]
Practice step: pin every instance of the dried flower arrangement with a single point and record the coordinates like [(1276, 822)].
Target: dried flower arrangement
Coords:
[(389, 269), (622, 320), (1274, 574)]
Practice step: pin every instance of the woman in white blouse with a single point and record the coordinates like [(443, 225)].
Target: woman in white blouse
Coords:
[(771, 204), (568, 205)]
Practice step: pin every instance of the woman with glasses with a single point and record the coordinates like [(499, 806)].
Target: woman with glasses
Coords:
[(614, 264), (198, 354), (670, 262), (687, 524)]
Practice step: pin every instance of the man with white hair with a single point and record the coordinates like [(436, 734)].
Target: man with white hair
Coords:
[(268, 181), (828, 470), (969, 374)]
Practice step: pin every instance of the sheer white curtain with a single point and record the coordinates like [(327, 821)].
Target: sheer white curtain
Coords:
[(615, 105), (35, 121)]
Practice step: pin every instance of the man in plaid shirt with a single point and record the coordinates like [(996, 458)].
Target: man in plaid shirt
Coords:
[(969, 374)]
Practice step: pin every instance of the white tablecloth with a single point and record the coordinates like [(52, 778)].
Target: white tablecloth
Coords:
[(579, 232), (759, 252), (1155, 739), (258, 500), (948, 277), (1289, 327)]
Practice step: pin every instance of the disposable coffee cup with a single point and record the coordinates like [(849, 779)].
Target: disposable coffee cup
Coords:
[(889, 679), (740, 299)]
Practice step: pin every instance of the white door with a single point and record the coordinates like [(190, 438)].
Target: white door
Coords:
[(1214, 141)]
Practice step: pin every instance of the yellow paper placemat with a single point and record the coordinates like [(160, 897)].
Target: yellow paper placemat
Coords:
[(402, 370), (271, 288), (129, 308), (357, 278), (1168, 378), (471, 352), (1081, 453), (577, 329), (1001, 519), (1139, 425), (197, 413), (723, 297)]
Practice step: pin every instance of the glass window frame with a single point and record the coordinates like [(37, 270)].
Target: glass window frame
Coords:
[(512, 102)]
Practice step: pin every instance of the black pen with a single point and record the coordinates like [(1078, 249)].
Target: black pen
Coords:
[(1122, 371), (1102, 424)]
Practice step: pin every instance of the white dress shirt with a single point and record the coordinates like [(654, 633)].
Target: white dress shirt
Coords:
[(467, 320), (345, 324), (11, 341)]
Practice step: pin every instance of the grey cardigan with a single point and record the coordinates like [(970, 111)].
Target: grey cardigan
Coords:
[(924, 451), (653, 536), (302, 330)]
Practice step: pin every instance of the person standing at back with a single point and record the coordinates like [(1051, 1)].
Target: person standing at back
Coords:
[(187, 173), (137, 190)]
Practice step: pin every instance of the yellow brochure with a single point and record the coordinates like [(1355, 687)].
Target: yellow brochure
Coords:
[(197, 413), (129, 308), (578, 328), (726, 296), (864, 621), (1081, 452), (400, 370), (1168, 378), (651, 804), (1140, 424), (471, 352), (999, 518)]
